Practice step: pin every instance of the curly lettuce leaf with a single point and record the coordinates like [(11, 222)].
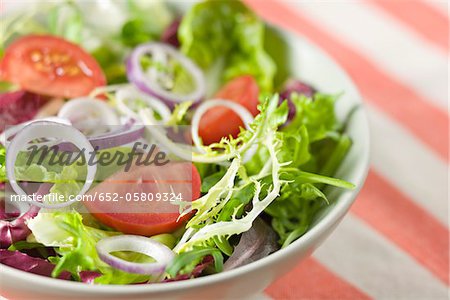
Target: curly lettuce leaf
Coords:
[(315, 146), (214, 31), (284, 179), (179, 114), (206, 224), (259, 204)]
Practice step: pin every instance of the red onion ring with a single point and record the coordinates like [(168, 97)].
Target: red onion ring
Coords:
[(127, 134), (88, 106), (161, 253), (52, 130), (148, 85), (242, 112), (131, 93), (122, 136), (118, 138), (9, 133)]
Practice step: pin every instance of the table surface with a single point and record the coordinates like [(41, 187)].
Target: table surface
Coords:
[(394, 244)]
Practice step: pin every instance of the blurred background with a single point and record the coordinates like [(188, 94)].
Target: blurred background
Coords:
[(395, 242)]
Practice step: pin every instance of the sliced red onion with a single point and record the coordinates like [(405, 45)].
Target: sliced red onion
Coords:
[(130, 94), (89, 115), (124, 135), (52, 130), (105, 121), (9, 133), (147, 81), (17, 229), (240, 110), (188, 152), (161, 253)]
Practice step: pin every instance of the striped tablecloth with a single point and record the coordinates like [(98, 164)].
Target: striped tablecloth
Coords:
[(394, 244)]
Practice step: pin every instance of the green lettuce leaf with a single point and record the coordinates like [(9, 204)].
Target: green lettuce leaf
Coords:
[(2, 163), (185, 263), (66, 20), (216, 217), (73, 238), (285, 178), (212, 31), (316, 114), (315, 147), (74, 242)]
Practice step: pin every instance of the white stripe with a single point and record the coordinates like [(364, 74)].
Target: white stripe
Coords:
[(408, 164), (388, 43), (441, 5), (374, 265)]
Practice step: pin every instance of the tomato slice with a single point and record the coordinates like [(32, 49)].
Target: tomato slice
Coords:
[(128, 212), (52, 66), (221, 122)]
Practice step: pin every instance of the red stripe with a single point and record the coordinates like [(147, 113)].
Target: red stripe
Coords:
[(402, 103), (429, 22), (311, 280), (406, 224)]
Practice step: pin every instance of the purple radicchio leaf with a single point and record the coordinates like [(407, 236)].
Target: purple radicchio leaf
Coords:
[(170, 35), (24, 262), (89, 276), (15, 230), (295, 86), (256, 243), (18, 107)]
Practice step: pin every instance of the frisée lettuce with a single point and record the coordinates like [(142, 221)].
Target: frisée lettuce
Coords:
[(276, 180)]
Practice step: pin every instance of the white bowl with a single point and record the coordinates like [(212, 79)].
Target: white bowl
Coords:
[(312, 65)]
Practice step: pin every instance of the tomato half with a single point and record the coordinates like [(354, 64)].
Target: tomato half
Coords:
[(119, 200), (221, 122), (52, 66)]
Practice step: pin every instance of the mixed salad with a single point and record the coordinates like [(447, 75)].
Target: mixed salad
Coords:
[(261, 149)]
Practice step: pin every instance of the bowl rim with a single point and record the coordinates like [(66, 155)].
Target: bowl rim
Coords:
[(334, 216)]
